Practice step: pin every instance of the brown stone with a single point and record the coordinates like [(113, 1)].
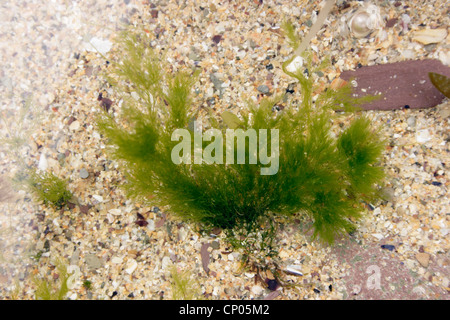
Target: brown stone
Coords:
[(402, 84), (423, 258)]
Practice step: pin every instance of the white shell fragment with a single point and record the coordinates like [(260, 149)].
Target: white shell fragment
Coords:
[(365, 20), (423, 136), (98, 198), (43, 164), (427, 36), (294, 269), (295, 64), (131, 266), (98, 45), (115, 212)]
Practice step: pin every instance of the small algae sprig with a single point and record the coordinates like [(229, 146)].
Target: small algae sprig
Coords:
[(183, 286), (323, 173), (48, 188), (53, 290)]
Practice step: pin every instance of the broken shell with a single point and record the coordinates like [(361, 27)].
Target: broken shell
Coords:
[(294, 269), (365, 20), (295, 64), (427, 36)]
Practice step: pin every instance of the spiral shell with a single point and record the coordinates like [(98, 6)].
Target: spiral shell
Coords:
[(365, 20)]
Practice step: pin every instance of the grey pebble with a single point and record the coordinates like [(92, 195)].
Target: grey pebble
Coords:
[(215, 245), (194, 56), (263, 89), (75, 257), (61, 158), (444, 111), (84, 173), (388, 194), (216, 81), (411, 121)]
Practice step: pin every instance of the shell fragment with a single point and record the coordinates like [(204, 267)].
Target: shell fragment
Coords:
[(427, 36), (294, 269)]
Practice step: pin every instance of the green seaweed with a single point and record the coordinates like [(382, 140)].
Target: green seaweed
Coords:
[(87, 284), (322, 175), (48, 188)]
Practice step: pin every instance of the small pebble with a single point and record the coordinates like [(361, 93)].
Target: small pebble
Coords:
[(216, 81), (74, 126), (215, 245), (388, 247), (154, 14), (84, 174), (263, 89), (257, 290), (272, 284), (93, 262), (216, 39), (391, 22), (411, 121)]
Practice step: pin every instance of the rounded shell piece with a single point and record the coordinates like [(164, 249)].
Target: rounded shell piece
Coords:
[(365, 20)]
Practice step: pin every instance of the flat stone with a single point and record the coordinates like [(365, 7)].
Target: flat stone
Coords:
[(97, 197), (423, 136), (75, 257), (423, 258), (401, 84), (205, 257), (116, 212), (444, 111), (117, 260), (93, 262), (388, 194), (194, 56)]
